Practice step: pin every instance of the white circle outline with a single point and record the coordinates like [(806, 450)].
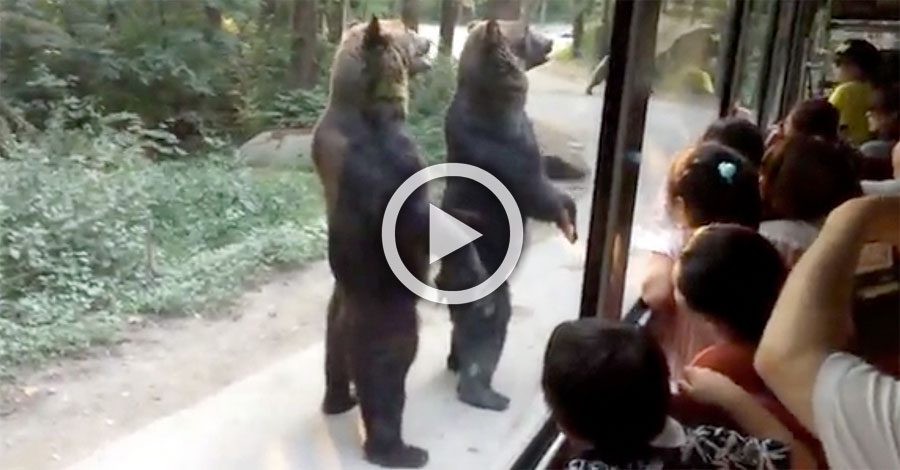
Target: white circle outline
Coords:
[(389, 236)]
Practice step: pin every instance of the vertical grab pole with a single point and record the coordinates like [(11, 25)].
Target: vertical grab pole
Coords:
[(631, 63), (729, 55)]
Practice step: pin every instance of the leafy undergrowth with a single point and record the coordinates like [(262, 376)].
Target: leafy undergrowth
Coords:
[(92, 232)]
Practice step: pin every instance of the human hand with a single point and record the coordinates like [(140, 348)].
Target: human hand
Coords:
[(776, 134), (709, 387)]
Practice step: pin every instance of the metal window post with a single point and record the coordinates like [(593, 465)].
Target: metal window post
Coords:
[(729, 55), (631, 62)]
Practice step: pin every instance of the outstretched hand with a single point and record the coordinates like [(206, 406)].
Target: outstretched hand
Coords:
[(709, 387)]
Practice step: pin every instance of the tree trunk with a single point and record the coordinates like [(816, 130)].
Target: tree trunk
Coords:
[(504, 9), (449, 16), (336, 15), (303, 47), (213, 16), (409, 13), (543, 14), (577, 33), (268, 11)]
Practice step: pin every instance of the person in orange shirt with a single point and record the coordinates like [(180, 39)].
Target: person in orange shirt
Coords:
[(732, 276)]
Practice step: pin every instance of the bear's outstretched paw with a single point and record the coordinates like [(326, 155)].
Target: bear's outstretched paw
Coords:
[(337, 403), (399, 456), (452, 363), (480, 396)]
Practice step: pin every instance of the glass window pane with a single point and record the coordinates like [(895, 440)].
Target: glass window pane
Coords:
[(756, 37), (682, 105), (173, 222)]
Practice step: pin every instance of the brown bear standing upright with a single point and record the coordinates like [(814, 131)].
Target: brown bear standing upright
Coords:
[(486, 126), (362, 154)]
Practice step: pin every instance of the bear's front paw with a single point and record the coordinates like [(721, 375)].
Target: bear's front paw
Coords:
[(337, 403)]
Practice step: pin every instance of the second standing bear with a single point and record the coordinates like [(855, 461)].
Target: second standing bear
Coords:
[(486, 126)]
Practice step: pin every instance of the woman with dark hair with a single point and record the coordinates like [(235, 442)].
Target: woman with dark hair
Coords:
[(801, 180), (814, 117), (707, 184), (858, 64), (738, 134)]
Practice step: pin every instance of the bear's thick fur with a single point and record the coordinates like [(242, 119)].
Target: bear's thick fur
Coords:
[(362, 153), (486, 126)]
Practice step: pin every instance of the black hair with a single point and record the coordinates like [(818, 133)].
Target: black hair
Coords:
[(732, 275), (805, 178), (863, 54), (717, 185), (815, 118), (607, 383), (739, 134)]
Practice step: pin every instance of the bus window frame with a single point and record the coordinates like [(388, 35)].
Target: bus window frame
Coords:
[(731, 46), (632, 53)]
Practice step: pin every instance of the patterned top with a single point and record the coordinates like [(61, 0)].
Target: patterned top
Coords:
[(703, 447)]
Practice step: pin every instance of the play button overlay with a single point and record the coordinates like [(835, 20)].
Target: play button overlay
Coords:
[(447, 234)]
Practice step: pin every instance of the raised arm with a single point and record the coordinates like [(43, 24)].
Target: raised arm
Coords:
[(812, 316), (518, 166)]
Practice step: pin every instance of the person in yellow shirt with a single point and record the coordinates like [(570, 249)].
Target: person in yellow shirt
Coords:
[(857, 63)]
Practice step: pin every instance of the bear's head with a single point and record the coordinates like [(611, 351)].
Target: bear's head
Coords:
[(532, 47), (413, 47), (371, 71), (489, 63)]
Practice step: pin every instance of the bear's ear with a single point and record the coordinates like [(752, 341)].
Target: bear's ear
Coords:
[(492, 32), (373, 37)]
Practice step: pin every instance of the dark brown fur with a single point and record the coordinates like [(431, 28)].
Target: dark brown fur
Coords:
[(362, 154)]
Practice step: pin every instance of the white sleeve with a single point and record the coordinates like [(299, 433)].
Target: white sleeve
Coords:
[(856, 410), (881, 188)]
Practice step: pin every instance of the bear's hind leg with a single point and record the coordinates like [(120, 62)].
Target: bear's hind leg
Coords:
[(338, 398), (481, 330), (381, 358)]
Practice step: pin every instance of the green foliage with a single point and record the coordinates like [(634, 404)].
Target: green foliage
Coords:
[(106, 210), (91, 231), (430, 96)]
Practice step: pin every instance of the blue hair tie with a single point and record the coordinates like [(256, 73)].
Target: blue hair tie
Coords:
[(727, 170)]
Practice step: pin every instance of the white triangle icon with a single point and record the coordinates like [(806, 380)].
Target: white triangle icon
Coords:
[(446, 234)]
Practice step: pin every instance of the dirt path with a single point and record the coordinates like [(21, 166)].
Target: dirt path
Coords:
[(58, 415)]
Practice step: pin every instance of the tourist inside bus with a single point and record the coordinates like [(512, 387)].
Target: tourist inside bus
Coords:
[(857, 64), (801, 180), (812, 118), (853, 408), (731, 276), (884, 122), (738, 134), (608, 388), (695, 175)]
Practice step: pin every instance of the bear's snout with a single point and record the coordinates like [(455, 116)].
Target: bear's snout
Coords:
[(424, 47), (548, 46)]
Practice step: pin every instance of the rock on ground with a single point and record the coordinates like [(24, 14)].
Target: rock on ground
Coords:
[(279, 148)]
